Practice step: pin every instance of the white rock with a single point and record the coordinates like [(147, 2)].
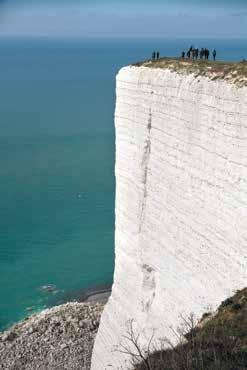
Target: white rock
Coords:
[(30, 330), (181, 204), (5, 337)]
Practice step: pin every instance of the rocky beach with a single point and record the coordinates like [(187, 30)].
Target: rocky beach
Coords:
[(61, 337)]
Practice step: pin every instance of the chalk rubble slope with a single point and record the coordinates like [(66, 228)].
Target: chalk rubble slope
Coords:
[(181, 204), (58, 338)]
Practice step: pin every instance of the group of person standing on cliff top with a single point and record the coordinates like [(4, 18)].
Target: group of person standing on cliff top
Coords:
[(194, 53), (156, 55)]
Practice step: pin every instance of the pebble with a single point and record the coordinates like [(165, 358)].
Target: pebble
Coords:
[(63, 346), (30, 330)]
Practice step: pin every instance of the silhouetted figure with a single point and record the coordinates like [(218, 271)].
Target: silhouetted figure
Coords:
[(153, 55), (201, 53), (193, 52), (214, 54), (196, 53), (207, 53), (188, 54), (183, 55), (158, 55)]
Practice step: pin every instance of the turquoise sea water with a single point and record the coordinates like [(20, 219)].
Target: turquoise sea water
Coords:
[(57, 163)]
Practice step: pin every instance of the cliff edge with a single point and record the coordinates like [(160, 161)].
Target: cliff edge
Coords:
[(181, 204)]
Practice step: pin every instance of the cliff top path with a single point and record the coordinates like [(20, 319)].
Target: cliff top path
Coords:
[(229, 71)]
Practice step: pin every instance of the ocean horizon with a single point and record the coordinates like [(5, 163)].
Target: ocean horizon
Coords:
[(57, 152)]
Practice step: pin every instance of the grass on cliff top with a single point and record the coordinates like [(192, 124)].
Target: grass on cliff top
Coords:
[(234, 72), (217, 342)]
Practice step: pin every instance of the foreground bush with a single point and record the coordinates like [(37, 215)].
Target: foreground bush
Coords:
[(218, 342)]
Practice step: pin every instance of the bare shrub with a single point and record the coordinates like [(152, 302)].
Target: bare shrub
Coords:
[(134, 349), (217, 342)]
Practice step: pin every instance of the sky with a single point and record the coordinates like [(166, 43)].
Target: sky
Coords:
[(124, 18)]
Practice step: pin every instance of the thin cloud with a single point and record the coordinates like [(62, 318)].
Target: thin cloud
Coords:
[(239, 14), (75, 20), (3, 8)]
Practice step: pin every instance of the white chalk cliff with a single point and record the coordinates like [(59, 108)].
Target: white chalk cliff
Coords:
[(181, 204)]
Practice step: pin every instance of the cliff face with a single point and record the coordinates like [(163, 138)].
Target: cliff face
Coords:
[(181, 204)]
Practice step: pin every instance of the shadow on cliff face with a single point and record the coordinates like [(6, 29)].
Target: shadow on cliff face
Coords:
[(217, 342)]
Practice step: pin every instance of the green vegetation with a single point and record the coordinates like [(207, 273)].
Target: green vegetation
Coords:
[(217, 342), (234, 72)]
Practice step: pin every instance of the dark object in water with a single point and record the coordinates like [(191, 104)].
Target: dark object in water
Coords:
[(50, 288)]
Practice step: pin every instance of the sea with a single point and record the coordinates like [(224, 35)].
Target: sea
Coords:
[(57, 148)]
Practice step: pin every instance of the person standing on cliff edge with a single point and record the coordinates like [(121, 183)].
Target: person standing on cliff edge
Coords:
[(214, 54)]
